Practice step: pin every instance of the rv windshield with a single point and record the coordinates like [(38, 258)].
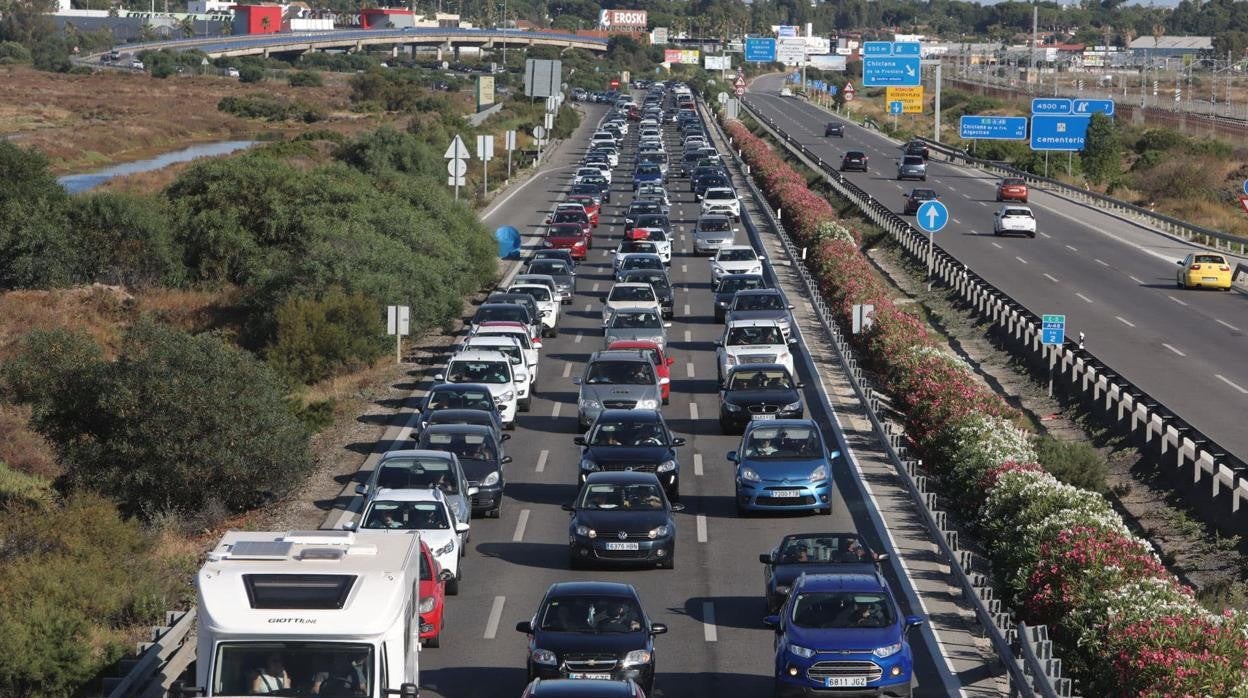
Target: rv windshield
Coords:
[(293, 669)]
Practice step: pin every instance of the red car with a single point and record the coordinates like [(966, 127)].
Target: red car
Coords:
[(662, 364), (432, 598), (592, 207), (568, 236), (572, 215), (1012, 189)]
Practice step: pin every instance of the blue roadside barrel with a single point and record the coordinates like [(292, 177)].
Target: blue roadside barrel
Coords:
[(508, 239)]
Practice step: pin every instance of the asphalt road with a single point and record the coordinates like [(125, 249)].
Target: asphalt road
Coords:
[(1114, 280), (712, 601)]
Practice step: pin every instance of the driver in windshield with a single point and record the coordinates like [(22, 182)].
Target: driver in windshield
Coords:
[(765, 446), (618, 618)]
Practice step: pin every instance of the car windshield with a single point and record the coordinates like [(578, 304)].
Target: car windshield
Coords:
[(620, 373), (639, 209), (842, 609), (653, 221), (924, 194), (818, 548), (478, 417), (490, 372), (632, 293), (1012, 183), (658, 281), (783, 442), (566, 216), (635, 321), (591, 614), (649, 169), (564, 231), (631, 497), (310, 668), (1209, 259), (1017, 213), (746, 336), (539, 293), (548, 267), (639, 262), (741, 255), (643, 246), (502, 312), (750, 379), (511, 351), (627, 433), (732, 284), (714, 225), (417, 474), (585, 189), (448, 399), (854, 155), (758, 301), (469, 446), (409, 516), (720, 194)]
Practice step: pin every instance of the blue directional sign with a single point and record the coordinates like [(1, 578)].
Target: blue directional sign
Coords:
[(833, 89), (906, 48), (1053, 329), (877, 48), (932, 216), (1092, 106), (890, 71), (896, 107), (1050, 105), (1005, 128), (760, 49), (1246, 186), (1059, 132)]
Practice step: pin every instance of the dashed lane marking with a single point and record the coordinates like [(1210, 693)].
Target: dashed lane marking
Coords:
[(554, 411), (1173, 349), (541, 460), (697, 464), (1124, 321), (1226, 380), (496, 614), (521, 524), (1085, 298), (701, 527), (708, 621)]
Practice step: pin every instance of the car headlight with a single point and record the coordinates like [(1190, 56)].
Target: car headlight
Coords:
[(793, 406), (587, 464), (426, 604), (544, 657), (588, 404), (756, 270), (819, 474), (657, 339), (732, 360), (803, 652), (637, 657), (666, 466), (647, 404), (446, 549), (586, 532), (732, 408), (784, 356), (547, 243), (782, 589), (749, 475), (887, 650), (491, 479), (659, 532)]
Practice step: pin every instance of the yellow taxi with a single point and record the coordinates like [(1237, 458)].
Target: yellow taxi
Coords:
[(1204, 270)]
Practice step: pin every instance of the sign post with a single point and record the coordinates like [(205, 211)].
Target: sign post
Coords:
[(485, 153), (1052, 334), (932, 216), (895, 108), (398, 323), (457, 154), (509, 142)]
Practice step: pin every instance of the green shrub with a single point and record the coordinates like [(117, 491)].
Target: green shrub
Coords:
[(250, 73), (318, 338), (13, 52), (36, 249), (125, 239), (305, 78), (51, 54), (317, 416), (20, 487), (270, 108), (1073, 462), (566, 122)]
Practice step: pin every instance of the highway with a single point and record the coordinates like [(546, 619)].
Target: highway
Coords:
[(712, 601), (1114, 280)]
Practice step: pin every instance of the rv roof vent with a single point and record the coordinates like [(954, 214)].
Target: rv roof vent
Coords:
[(362, 549), (260, 550), (320, 554), (320, 537)]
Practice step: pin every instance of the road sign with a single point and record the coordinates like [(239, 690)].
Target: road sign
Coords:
[(791, 50), (1053, 329), (1243, 202), (721, 97), (1246, 186), (398, 320), (849, 92), (895, 107), (760, 49), (1066, 132), (549, 121), (539, 132), (738, 91), (832, 90), (1093, 106), (1050, 105), (877, 48), (911, 98), (509, 141), (862, 319), (932, 216), (884, 71), (457, 150), (456, 168), (732, 109), (739, 81), (485, 148), (1005, 128)]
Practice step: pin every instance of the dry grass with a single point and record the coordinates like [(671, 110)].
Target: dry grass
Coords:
[(21, 448)]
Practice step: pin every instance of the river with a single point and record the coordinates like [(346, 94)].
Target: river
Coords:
[(77, 183)]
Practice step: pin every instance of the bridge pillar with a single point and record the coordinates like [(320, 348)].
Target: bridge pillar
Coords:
[(266, 53), (359, 46)]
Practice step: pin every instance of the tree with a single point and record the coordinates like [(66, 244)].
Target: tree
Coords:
[(250, 73), (35, 249), (187, 27), (1102, 150)]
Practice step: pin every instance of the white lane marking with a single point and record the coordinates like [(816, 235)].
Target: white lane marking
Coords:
[(541, 460), (1124, 321), (1138, 281), (701, 528), (589, 307), (952, 188), (1227, 325), (693, 411), (684, 269), (554, 411), (1085, 298), (521, 524), (997, 246), (1052, 278), (1176, 300), (955, 220), (595, 288), (686, 310), (688, 336), (689, 369), (980, 203), (1072, 249), (708, 622), (1045, 235), (1102, 263), (579, 335), (496, 614), (1020, 259), (1224, 379), (1173, 349), (966, 196), (567, 369), (697, 464)]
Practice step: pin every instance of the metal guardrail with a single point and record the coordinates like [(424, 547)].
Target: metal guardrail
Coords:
[(1028, 676), (158, 663)]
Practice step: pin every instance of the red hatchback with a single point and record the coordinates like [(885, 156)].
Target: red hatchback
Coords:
[(662, 363), (592, 208), (1012, 189), (568, 236), (432, 598)]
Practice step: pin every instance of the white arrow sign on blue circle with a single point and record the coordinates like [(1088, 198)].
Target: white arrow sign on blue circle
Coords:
[(932, 216), (1246, 186)]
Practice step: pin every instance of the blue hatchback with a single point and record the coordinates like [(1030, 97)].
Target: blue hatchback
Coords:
[(842, 633), (783, 465), (647, 173)]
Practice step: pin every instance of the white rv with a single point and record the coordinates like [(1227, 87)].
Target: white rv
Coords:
[(310, 613)]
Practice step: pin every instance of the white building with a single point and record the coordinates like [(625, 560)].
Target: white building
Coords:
[(209, 7)]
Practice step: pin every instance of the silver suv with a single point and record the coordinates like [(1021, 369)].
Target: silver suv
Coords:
[(617, 379), (912, 167)]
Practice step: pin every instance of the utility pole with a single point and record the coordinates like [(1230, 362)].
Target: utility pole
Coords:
[(1035, 40), (937, 106)]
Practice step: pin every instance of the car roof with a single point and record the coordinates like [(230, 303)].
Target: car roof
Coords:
[(458, 387), (639, 344), (429, 494), (622, 477), (461, 413), (754, 322), (736, 247), (416, 453), (757, 291), (591, 589), (619, 355), (478, 355), (580, 688), (495, 340), (631, 284), (713, 216), (841, 582), (642, 254), (458, 428), (759, 367)]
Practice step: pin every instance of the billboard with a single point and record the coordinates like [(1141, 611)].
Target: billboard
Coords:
[(827, 61), (760, 50), (542, 78), (622, 20), (786, 30), (717, 62), (485, 91), (678, 55), (658, 37), (818, 44), (791, 50)]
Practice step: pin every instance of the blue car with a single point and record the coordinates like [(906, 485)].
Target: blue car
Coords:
[(783, 465), (647, 173), (842, 634)]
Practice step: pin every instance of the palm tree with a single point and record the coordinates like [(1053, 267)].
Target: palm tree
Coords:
[(264, 24), (187, 27)]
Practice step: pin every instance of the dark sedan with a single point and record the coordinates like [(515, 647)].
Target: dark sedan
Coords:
[(481, 457), (485, 418), (728, 287), (575, 688), (834, 128), (758, 391), (591, 630), (915, 199), (814, 553), (632, 440), (854, 161), (622, 518), (458, 396)]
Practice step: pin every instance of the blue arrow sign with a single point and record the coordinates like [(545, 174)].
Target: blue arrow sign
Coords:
[(877, 48), (906, 48), (1093, 106), (932, 216), (1005, 128), (760, 49), (1050, 105), (1246, 186), (1059, 132), (891, 71), (896, 107), (833, 89), (1053, 329)]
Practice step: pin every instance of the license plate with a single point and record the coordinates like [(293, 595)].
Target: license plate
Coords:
[(845, 682), (597, 677), (1208, 278), (762, 416), (623, 546), (786, 494)]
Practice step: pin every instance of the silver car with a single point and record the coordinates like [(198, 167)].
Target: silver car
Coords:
[(418, 469), (636, 324), (713, 232), (563, 276), (622, 379), (761, 304)]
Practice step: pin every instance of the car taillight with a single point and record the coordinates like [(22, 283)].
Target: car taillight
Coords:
[(1225, 268), (1195, 267)]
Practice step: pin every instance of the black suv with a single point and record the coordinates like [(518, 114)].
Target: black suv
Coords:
[(592, 630), (622, 518), (758, 391), (632, 440), (854, 160), (915, 199), (834, 128)]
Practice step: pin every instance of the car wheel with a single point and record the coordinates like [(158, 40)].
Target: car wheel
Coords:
[(742, 511), (510, 426), (668, 564), (452, 586), (826, 511), (574, 562), (525, 405), (998, 198), (996, 232), (494, 513), (549, 332), (1024, 199), (435, 641), (1178, 283), (1031, 235), (667, 400)]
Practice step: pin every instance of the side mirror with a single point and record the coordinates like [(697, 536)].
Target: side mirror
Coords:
[(678, 507), (567, 506), (799, 386), (670, 360), (764, 558), (578, 440), (762, 258), (881, 557), (462, 527), (913, 622), (524, 626), (995, 214), (576, 380), (537, 345), (792, 340), (667, 324), (409, 690), (679, 441), (732, 456), (736, 230), (473, 491), (506, 459), (349, 525), (361, 489), (446, 575), (1180, 262), (719, 343), (439, 376), (772, 622), (506, 437), (658, 628), (791, 306)]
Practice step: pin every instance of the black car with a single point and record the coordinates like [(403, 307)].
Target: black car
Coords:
[(659, 282), (916, 148), (758, 391), (519, 299), (622, 518), (834, 128), (814, 553), (652, 220), (485, 418), (576, 688), (638, 209), (584, 189), (591, 630), (728, 287), (701, 184), (632, 440), (481, 456), (508, 312), (854, 161), (564, 256), (604, 187), (915, 199), (457, 396)]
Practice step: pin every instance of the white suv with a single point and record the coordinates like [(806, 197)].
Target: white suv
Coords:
[(630, 296), (723, 201), (735, 259), (547, 303), (510, 347), (753, 342), (490, 368)]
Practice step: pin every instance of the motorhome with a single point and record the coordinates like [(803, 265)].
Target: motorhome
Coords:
[(310, 613)]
